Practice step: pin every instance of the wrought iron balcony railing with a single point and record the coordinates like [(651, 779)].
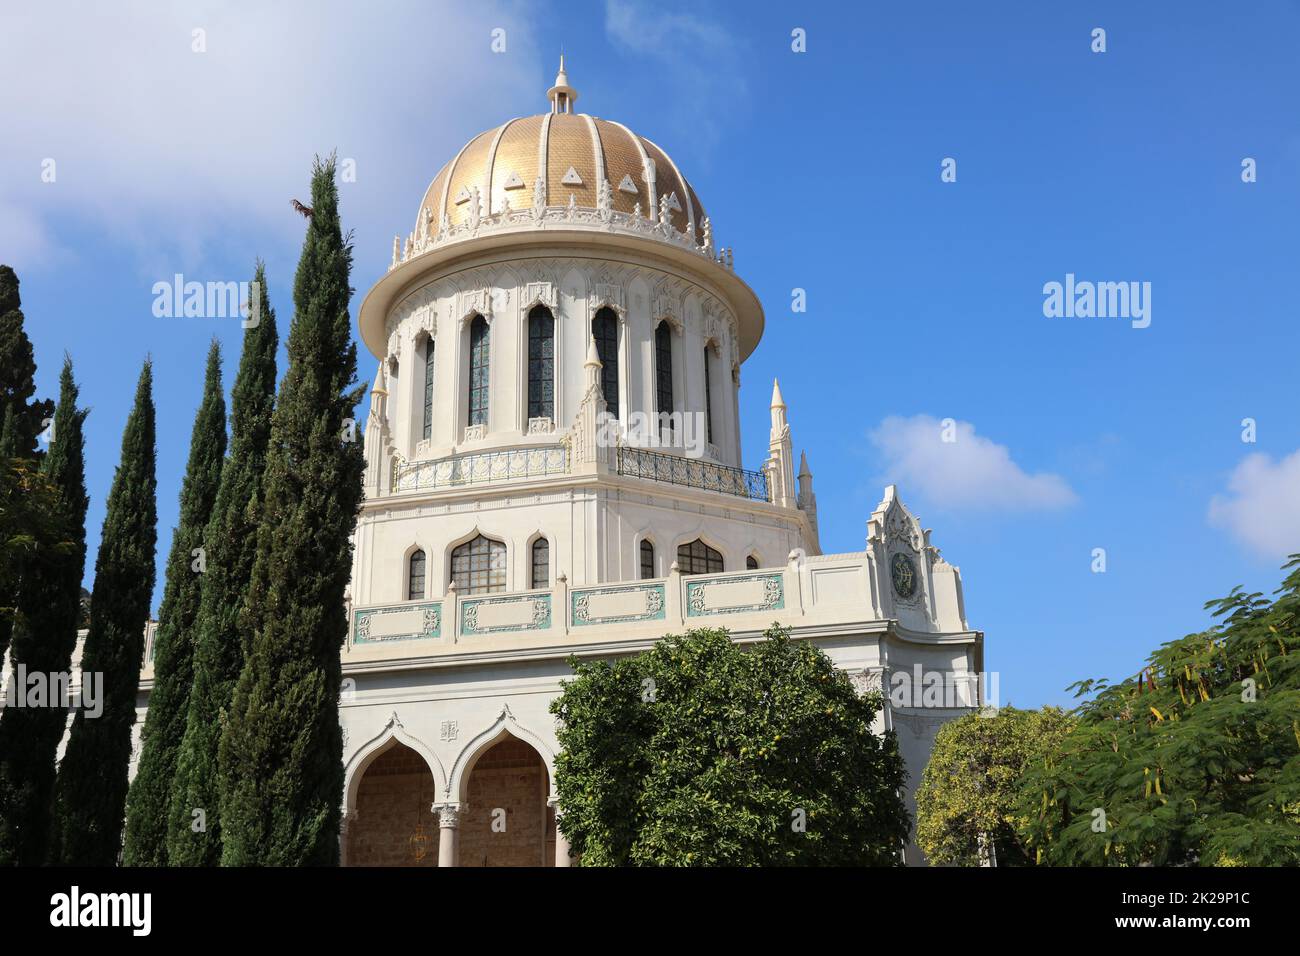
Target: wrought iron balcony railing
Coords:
[(486, 466), (693, 473)]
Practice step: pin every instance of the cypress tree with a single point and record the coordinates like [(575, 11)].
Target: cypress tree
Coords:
[(281, 752), (231, 543), (18, 370), (44, 636), (150, 794), (23, 418), (90, 792)]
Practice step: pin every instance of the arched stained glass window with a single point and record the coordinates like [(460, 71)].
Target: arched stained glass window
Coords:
[(708, 399), (478, 371), (647, 559), (415, 576), (664, 371), (541, 563), (604, 327), (751, 563), (696, 557), (541, 363), (428, 387), (479, 566)]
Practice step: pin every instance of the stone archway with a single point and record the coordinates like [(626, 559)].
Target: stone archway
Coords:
[(393, 824), (505, 819)]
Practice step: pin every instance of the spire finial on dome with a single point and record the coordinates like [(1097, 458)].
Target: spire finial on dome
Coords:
[(562, 95)]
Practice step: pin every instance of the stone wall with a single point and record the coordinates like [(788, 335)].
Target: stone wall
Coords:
[(509, 777)]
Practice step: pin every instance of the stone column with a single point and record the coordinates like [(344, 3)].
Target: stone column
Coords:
[(349, 817), (448, 832), (562, 857)]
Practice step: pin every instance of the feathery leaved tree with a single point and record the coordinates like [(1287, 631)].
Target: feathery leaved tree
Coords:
[(148, 800), (90, 792), (281, 752), (194, 824), (44, 637), (1193, 761)]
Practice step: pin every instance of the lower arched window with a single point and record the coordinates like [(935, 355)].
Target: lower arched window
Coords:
[(647, 560), (541, 563), (696, 557), (415, 571), (751, 563), (479, 566)]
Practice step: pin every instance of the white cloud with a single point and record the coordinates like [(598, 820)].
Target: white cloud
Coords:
[(172, 151), (970, 471), (1262, 506)]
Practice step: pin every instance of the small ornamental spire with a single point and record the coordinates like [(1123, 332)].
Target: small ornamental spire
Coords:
[(562, 95), (593, 364)]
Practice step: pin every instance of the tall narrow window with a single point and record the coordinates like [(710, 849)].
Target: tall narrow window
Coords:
[(664, 372), (415, 577), (478, 371), (479, 566), (605, 329), (708, 400), (647, 560), (541, 363), (541, 563), (696, 557), (428, 387)]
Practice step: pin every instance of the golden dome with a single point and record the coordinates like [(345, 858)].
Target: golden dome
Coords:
[(568, 155)]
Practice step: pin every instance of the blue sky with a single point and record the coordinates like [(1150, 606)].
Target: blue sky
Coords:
[(822, 170)]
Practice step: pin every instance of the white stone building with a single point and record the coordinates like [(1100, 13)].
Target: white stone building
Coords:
[(562, 274)]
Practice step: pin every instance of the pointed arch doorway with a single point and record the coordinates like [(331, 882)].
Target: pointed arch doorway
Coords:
[(393, 824), (505, 819)]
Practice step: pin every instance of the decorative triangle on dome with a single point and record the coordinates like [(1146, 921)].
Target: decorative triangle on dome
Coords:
[(626, 185), (513, 181), (462, 196), (673, 202), (571, 178)]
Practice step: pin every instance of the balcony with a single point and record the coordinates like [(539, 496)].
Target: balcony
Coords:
[(692, 473), (488, 466)]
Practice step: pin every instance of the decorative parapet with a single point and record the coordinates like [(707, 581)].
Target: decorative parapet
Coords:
[(636, 462), (567, 217), (735, 594), (398, 622), (624, 604), (505, 615), (489, 466)]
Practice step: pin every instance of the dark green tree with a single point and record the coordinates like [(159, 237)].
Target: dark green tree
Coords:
[(231, 543), (700, 752), (44, 636), (149, 799), (966, 805), (1193, 761), (23, 419), (281, 752), (18, 370), (90, 792)]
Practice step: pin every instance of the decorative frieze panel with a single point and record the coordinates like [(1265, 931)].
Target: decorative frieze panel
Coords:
[(739, 594), (505, 615), (400, 622), (618, 605)]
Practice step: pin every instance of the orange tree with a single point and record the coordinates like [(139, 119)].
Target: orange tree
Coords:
[(700, 752)]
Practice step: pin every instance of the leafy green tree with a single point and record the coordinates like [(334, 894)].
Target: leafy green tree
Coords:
[(44, 636), (700, 752), (90, 792), (1195, 760), (149, 798), (231, 543), (966, 804), (281, 751)]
